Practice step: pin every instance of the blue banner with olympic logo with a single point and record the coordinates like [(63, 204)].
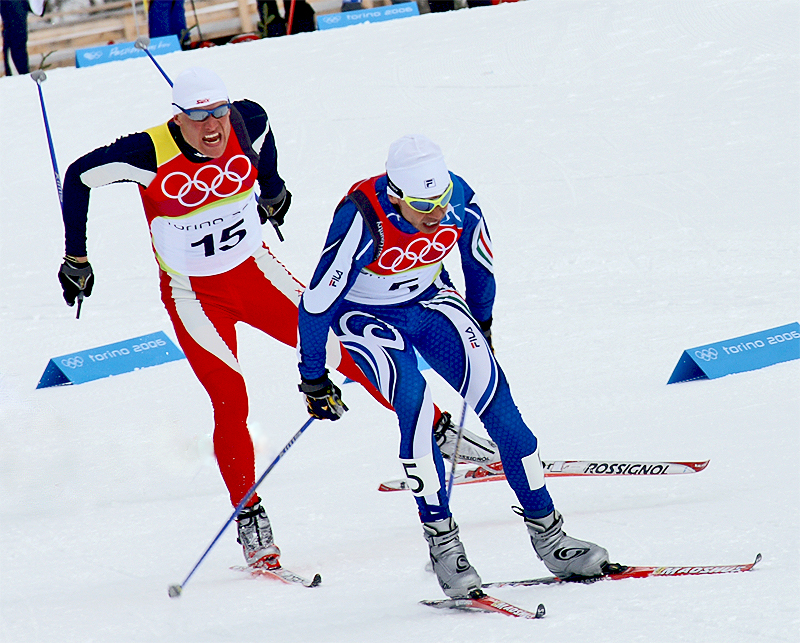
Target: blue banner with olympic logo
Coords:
[(112, 359), (122, 50), (375, 14), (746, 353)]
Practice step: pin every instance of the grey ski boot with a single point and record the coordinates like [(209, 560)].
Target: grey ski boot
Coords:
[(566, 557), (255, 537), (456, 576), (471, 449)]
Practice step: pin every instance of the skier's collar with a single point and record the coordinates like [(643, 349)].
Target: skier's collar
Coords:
[(187, 150)]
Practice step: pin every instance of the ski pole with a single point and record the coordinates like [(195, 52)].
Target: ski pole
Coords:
[(176, 590), (455, 453), (143, 42), (39, 77), (135, 17)]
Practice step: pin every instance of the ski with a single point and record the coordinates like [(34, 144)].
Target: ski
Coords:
[(279, 573), (619, 572), (483, 603), (564, 468)]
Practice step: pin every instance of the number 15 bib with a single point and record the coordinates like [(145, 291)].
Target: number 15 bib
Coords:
[(202, 216)]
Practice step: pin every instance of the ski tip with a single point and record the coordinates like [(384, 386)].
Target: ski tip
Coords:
[(540, 611), (757, 560), (175, 591), (316, 581)]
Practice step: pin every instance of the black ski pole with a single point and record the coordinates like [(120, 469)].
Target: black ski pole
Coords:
[(39, 77), (176, 590)]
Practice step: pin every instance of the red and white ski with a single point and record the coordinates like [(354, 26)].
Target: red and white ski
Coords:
[(619, 572), (563, 468), (483, 603), (279, 573)]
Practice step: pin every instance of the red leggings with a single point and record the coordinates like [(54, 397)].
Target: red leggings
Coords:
[(260, 292)]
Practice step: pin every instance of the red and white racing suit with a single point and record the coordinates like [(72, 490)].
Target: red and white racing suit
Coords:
[(215, 272)]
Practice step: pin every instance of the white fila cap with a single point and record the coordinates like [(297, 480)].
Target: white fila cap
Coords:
[(415, 167), (197, 87)]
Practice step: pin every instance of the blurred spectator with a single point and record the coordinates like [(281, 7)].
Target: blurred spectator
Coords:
[(168, 17), (300, 12), (270, 24), (437, 6), (302, 19), (14, 14), (351, 5)]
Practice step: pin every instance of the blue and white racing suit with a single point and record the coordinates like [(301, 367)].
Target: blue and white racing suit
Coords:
[(381, 286)]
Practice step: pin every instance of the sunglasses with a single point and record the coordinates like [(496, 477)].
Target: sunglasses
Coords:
[(428, 205), (201, 115)]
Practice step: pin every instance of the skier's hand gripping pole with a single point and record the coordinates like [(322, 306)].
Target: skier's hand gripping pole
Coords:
[(76, 282)]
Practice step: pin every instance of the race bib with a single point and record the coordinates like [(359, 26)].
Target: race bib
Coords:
[(209, 241)]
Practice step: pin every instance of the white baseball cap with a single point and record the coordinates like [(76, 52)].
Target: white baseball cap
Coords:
[(415, 167), (197, 87)]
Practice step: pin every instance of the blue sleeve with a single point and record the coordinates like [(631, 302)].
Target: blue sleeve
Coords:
[(132, 158), (475, 246), (348, 248)]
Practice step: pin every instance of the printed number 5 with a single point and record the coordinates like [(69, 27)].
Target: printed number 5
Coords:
[(228, 234), (419, 484)]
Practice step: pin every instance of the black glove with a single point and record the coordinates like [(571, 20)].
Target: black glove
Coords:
[(486, 329), (75, 278), (274, 209), (323, 398)]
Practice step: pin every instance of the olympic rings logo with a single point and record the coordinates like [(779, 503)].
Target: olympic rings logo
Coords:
[(200, 185), (420, 251), (707, 354), (72, 362)]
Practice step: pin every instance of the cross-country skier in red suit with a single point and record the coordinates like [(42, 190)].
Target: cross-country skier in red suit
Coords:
[(197, 175)]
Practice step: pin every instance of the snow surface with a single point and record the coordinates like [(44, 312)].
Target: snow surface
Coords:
[(638, 165)]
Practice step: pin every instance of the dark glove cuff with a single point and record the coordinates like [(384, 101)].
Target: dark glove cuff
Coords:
[(73, 268), (74, 263), (312, 387), (485, 325), (276, 200)]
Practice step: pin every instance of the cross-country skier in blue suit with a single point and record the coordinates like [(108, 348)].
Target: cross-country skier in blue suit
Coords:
[(380, 284)]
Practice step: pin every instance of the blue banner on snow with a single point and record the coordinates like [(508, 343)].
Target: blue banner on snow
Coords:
[(113, 359), (377, 14), (120, 51), (746, 353)]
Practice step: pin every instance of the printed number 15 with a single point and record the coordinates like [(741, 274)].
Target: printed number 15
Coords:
[(228, 234)]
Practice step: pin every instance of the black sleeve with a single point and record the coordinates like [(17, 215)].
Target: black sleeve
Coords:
[(257, 124), (132, 158)]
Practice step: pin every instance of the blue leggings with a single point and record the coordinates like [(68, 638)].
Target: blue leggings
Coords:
[(382, 340)]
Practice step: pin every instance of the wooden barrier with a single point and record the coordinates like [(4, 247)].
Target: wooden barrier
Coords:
[(54, 37)]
